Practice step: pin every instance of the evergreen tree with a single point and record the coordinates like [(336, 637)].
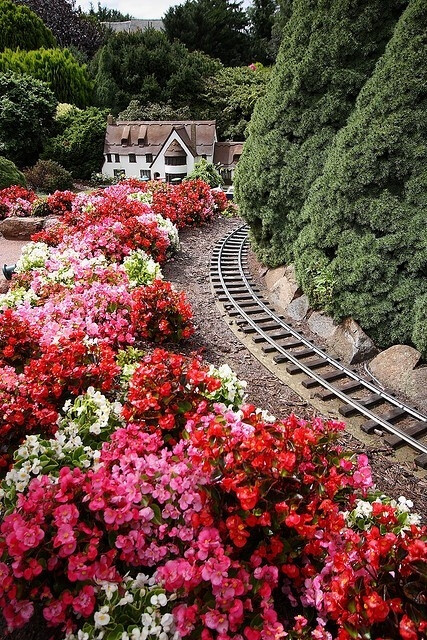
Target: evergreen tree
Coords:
[(27, 109), (80, 144), (145, 66), (20, 27), (69, 25), (329, 49), (68, 79), (104, 14), (367, 234), (217, 27), (262, 15)]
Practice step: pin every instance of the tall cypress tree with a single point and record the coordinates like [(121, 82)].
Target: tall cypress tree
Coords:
[(367, 235), (328, 51)]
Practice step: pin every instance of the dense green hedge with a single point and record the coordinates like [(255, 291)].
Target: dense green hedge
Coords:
[(21, 27), (367, 235), (79, 145), (10, 174), (27, 109), (68, 79), (328, 51)]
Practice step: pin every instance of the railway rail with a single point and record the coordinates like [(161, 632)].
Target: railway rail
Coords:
[(232, 283)]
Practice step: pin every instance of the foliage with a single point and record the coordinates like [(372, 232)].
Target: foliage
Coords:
[(216, 27), (155, 111), (231, 94), (105, 14), (145, 66), (79, 147), (20, 27), (206, 171), (10, 174), (69, 26), (27, 108), (328, 51), (58, 68), (263, 15), (419, 334), (49, 176), (372, 243)]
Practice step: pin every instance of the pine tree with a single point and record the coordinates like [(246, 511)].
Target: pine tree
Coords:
[(328, 51), (21, 27), (367, 235)]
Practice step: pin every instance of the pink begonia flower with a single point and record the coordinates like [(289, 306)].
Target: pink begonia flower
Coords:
[(216, 620), (215, 569)]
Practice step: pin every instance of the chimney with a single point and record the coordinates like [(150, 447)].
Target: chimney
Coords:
[(193, 136), (110, 119)]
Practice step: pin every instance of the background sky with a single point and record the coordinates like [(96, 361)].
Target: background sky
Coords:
[(138, 8)]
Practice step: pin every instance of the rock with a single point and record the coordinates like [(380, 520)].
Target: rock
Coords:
[(50, 221), (393, 365), (322, 325), (4, 286), (272, 276), (20, 228), (286, 289), (298, 308), (351, 343), (414, 385)]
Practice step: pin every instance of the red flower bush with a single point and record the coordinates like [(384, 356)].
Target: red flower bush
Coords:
[(16, 201), (161, 314), (189, 203)]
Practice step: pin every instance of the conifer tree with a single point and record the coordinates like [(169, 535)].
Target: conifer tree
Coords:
[(21, 27), (367, 235), (328, 51)]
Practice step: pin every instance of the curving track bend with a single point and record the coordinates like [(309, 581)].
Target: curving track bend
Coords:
[(401, 425)]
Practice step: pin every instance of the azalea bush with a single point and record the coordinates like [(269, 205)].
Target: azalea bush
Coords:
[(141, 497)]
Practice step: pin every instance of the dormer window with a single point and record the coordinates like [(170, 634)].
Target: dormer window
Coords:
[(125, 135)]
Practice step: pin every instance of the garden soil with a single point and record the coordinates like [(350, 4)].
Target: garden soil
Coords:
[(214, 340)]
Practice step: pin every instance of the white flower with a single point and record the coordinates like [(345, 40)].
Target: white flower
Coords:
[(101, 617), (109, 588), (127, 599)]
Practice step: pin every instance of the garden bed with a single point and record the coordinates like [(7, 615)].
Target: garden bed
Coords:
[(246, 528)]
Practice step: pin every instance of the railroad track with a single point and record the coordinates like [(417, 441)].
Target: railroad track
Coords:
[(400, 425)]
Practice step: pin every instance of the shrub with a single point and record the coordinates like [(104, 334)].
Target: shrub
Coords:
[(66, 78), (419, 334), (49, 176), (206, 171), (21, 27), (329, 49), (367, 231), (27, 109), (80, 145), (10, 174)]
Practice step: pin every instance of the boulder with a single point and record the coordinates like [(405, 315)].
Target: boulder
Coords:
[(414, 386), (50, 221), (393, 365), (286, 288), (322, 325), (20, 228), (298, 308), (351, 343), (272, 276), (4, 286)]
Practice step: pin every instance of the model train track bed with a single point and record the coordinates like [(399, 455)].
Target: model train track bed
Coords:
[(232, 283)]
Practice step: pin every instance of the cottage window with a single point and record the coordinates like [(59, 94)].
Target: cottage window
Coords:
[(116, 157), (176, 161), (132, 157), (236, 157), (203, 156), (145, 173), (108, 157), (175, 177), (148, 158)]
